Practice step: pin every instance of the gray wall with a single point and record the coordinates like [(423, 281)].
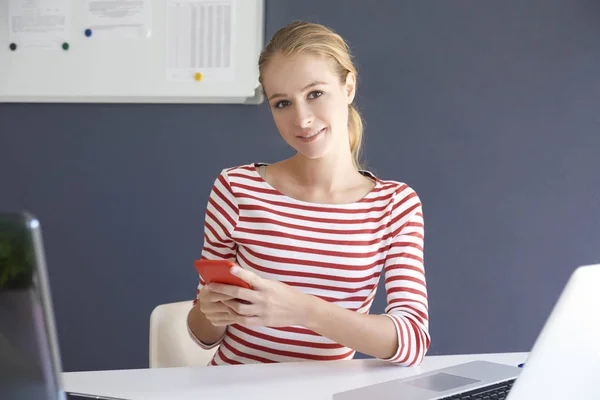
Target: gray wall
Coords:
[(490, 110)]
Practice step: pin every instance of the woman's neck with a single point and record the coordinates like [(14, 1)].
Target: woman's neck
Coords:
[(325, 175)]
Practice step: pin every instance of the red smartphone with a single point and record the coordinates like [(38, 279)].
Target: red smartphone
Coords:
[(217, 271)]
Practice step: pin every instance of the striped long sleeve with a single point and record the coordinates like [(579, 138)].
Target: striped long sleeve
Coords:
[(219, 223), (405, 286)]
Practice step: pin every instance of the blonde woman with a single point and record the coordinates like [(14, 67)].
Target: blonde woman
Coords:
[(312, 234)]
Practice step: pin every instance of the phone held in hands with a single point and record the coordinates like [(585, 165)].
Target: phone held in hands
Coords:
[(218, 271)]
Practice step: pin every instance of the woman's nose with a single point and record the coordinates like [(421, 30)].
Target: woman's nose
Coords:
[(303, 117)]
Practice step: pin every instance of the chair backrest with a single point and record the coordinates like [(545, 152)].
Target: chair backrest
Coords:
[(170, 341)]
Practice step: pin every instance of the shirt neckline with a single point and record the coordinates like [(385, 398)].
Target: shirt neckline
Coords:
[(368, 174)]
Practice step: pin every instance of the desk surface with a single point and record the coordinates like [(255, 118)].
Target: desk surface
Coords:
[(304, 380)]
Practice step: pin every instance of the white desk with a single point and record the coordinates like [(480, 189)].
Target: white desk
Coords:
[(289, 381)]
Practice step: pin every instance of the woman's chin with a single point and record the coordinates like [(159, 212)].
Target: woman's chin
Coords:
[(313, 154)]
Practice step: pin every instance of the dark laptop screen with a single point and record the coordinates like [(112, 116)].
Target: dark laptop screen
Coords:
[(26, 369)]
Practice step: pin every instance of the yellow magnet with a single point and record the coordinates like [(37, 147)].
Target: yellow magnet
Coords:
[(198, 76)]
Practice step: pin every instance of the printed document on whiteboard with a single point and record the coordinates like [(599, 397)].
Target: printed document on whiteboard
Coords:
[(119, 19), (199, 40), (39, 23)]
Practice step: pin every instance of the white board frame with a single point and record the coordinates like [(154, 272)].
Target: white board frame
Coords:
[(127, 70)]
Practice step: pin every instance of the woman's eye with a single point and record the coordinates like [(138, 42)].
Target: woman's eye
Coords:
[(315, 94), (282, 103), (312, 95)]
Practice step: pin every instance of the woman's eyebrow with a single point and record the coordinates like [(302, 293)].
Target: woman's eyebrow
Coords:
[(303, 89)]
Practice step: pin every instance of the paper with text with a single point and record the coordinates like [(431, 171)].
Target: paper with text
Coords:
[(199, 40), (119, 19), (43, 24)]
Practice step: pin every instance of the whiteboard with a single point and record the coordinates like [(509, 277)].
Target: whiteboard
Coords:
[(184, 51)]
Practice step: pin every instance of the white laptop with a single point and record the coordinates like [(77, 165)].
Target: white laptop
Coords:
[(30, 365), (564, 362)]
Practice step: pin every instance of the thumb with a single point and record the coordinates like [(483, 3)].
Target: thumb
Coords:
[(249, 277)]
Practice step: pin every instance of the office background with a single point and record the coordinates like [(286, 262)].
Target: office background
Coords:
[(490, 110)]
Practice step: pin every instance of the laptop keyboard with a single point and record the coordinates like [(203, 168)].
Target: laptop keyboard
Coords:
[(497, 391)]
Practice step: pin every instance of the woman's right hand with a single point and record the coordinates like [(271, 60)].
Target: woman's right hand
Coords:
[(217, 313)]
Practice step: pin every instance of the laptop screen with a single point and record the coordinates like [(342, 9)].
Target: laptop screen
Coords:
[(27, 368)]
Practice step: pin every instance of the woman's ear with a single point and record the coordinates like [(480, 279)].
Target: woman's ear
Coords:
[(350, 87)]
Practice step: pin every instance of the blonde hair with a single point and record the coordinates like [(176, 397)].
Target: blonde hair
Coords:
[(300, 36)]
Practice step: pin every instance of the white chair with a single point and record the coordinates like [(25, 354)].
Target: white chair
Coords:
[(170, 342)]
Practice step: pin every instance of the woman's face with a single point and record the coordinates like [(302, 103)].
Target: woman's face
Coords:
[(309, 103)]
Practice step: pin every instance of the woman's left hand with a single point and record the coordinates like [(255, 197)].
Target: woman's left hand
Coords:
[(268, 303)]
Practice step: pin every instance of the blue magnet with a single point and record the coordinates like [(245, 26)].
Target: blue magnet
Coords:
[(88, 32)]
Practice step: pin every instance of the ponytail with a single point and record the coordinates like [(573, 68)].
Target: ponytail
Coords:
[(355, 133)]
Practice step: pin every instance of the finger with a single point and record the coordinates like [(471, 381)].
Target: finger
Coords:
[(225, 317), (222, 322), (249, 277), (221, 315), (241, 320), (217, 307), (234, 292), (215, 297), (225, 310), (214, 308), (244, 309)]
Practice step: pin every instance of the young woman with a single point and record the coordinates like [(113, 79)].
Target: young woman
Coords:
[(312, 234)]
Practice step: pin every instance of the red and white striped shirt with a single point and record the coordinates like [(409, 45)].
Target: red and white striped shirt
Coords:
[(332, 251)]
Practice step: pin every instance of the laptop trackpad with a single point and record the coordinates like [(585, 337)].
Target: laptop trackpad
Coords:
[(441, 382), (433, 384)]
